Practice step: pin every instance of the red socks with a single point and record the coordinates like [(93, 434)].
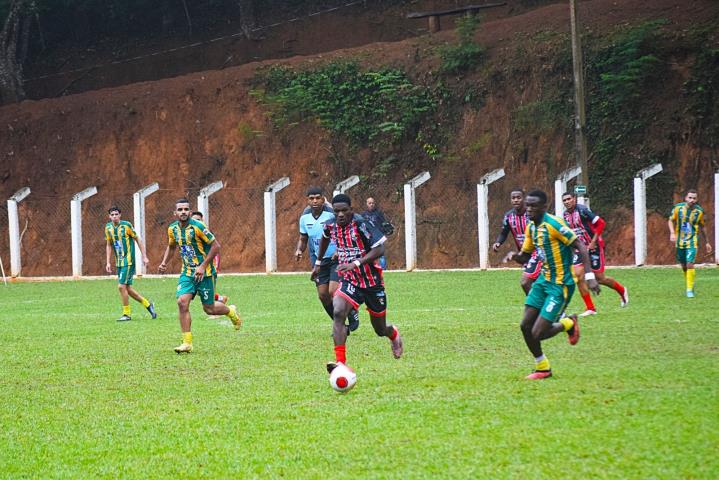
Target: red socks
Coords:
[(588, 301), (394, 333), (618, 287), (340, 354)]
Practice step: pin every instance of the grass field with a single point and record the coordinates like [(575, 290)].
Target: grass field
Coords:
[(85, 396)]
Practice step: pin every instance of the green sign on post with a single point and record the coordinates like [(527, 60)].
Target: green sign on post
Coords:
[(580, 189)]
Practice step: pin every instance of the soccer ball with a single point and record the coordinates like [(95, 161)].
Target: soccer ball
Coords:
[(343, 378)]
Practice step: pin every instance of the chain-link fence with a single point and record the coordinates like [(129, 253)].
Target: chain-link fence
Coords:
[(446, 209)]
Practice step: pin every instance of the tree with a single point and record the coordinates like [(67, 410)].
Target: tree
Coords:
[(14, 39)]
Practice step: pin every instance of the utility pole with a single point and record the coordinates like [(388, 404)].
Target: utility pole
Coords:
[(580, 120)]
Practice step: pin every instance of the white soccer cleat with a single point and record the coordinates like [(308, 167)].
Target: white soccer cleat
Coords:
[(184, 348), (625, 298), (587, 313)]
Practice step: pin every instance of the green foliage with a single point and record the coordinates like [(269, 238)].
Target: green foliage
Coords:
[(87, 397), (467, 54), (365, 107), (541, 116), (701, 95)]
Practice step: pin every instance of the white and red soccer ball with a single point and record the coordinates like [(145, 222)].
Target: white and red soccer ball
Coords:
[(343, 378)]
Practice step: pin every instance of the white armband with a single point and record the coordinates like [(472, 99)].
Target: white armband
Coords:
[(318, 262), (357, 262), (589, 276)]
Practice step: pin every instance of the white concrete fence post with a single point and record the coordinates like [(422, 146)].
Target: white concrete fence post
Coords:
[(640, 211), (271, 223), (138, 204), (14, 228), (76, 228), (345, 185), (560, 186), (203, 200), (716, 218), (483, 214), (410, 219)]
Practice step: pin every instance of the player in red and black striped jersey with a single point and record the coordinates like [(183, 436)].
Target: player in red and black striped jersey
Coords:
[(515, 222), (359, 245), (589, 227)]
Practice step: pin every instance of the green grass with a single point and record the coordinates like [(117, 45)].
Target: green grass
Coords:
[(84, 396)]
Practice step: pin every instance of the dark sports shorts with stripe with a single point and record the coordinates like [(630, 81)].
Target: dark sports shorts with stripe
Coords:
[(596, 258), (328, 272), (374, 298)]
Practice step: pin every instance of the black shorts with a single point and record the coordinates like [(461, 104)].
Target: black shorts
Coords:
[(374, 297), (596, 258), (328, 272), (533, 267)]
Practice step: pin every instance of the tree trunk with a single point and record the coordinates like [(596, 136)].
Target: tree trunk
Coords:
[(13, 46)]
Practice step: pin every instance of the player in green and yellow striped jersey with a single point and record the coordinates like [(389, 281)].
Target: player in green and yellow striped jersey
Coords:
[(198, 247), (544, 306), (121, 238), (685, 221)]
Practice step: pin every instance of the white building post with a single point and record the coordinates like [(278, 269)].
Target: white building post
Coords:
[(345, 185), (410, 219), (14, 228), (640, 212), (138, 203), (716, 217), (203, 200), (76, 226), (271, 223), (483, 214), (560, 186)]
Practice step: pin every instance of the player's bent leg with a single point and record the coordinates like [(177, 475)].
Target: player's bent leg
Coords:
[(323, 293), (183, 305)]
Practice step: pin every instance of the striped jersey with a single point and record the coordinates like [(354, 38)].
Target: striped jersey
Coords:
[(582, 220), (194, 241), (121, 239), (353, 242), (552, 239), (313, 228), (686, 224), (514, 223)]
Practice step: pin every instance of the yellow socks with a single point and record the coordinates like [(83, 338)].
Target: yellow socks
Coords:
[(126, 310), (567, 323), (541, 363), (187, 337), (691, 273), (144, 302)]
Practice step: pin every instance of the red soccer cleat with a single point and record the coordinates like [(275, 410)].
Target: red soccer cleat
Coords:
[(539, 375), (573, 333)]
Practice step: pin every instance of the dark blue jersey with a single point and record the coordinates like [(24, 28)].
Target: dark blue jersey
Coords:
[(353, 242)]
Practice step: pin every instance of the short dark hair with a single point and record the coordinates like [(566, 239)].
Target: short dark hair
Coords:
[(182, 200), (314, 191), (539, 194), (114, 209), (516, 190), (691, 190), (342, 198), (198, 213), (571, 194)]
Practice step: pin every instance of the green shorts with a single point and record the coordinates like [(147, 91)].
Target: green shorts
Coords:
[(686, 255), (125, 274), (206, 288), (549, 298)]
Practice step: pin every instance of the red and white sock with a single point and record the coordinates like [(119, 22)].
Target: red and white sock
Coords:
[(340, 354)]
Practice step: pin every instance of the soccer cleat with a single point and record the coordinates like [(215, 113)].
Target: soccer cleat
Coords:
[(223, 298), (124, 318), (331, 366), (539, 375), (587, 313), (690, 293), (353, 320), (625, 298), (397, 347), (151, 309), (235, 317), (573, 333), (184, 348)]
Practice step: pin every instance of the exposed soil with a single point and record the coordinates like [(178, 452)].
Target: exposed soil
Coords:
[(188, 131)]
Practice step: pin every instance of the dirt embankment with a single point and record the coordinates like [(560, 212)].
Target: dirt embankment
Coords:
[(189, 131)]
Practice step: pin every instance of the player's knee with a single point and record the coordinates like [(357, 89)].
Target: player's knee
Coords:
[(209, 309), (122, 287), (183, 304), (325, 297)]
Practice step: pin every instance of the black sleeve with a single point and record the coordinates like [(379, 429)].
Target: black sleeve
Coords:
[(504, 233)]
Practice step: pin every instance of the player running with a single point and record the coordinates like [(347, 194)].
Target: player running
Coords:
[(515, 222), (120, 236), (197, 215), (359, 245), (685, 221), (549, 296), (198, 247), (589, 227), (312, 223)]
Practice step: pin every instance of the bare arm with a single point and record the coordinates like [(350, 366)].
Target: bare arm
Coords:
[(141, 247), (706, 239), (200, 270), (588, 273), (163, 265), (324, 243), (672, 235), (301, 245), (371, 256), (108, 256)]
